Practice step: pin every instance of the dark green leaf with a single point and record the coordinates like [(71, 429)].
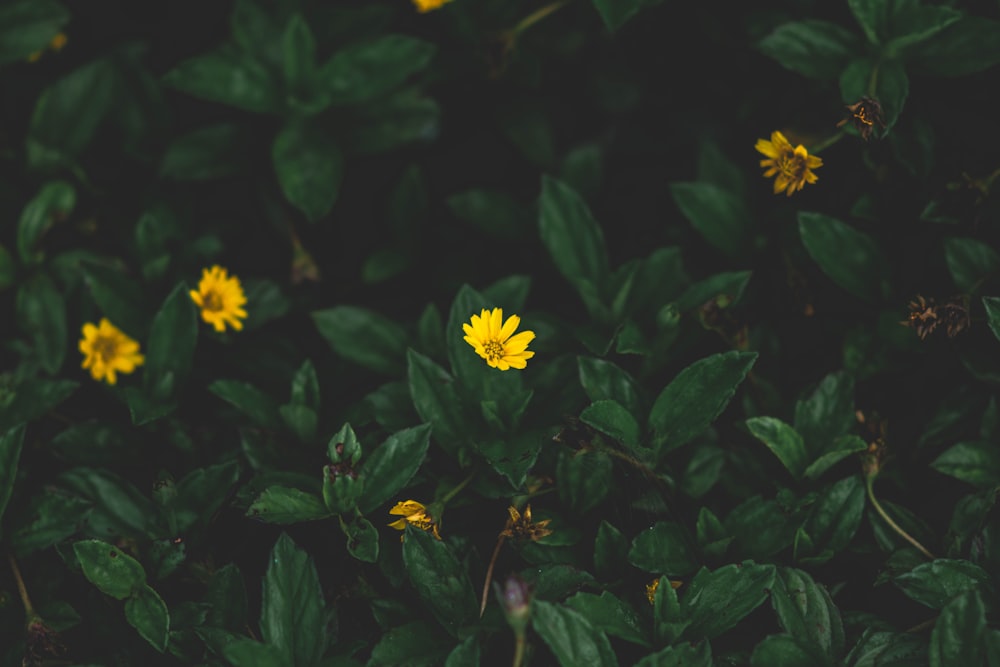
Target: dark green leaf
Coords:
[(850, 258), (244, 652), (299, 57), (785, 651), (465, 654), (310, 167), (976, 462), (250, 400), (663, 548), (172, 341), (610, 551), (872, 16), (681, 655), (362, 540), (493, 212), (816, 49), (392, 464), (440, 580), (416, 644), (435, 399), (957, 638), (118, 296), (669, 622), (229, 77), (615, 13), (146, 611), (842, 447), (202, 492), (827, 413), (611, 418), (971, 262), (366, 70), (282, 504), (729, 284), (114, 572), (571, 638), (227, 597), (51, 517), (515, 455), (702, 471), (205, 154), (971, 44), (608, 614), (119, 508), (584, 478), (402, 118), (934, 584), (53, 203), (781, 439), (27, 26), (806, 611), (912, 27), (716, 601), (992, 306), (761, 527), (292, 616), (717, 214), (10, 454), (696, 397), (364, 337), (836, 515), (41, 313)]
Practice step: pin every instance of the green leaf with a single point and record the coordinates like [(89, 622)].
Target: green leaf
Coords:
[(227, 597), (603, 380), (572, 236), (114, 572), (51, 518), (173, 337), (814, 48), (681, 655), (917, 23), (119, 508), (364, 337), (493, 212), (10, 454), (610, 550), (958, 633), (229, 77), (27, 26), (836, 515), (54, 203), (668, 621), (146, 611), (244, 652), (970, 44), (934, 584), (119, 297), (583, 478), (875, 645), (663, 548), (249, 400), (715, 601), (362, 539), (465, 654), (309, 166), (719, 216), (827, 413), (41, 314), (696, 397), (205, 154), (760, 527), (608, 614), (970, 262), (872, 16), (615, 13), (992, 306), (850, 258), (514, 456), (436, 400), (892, 86), (415, 644), (285, 505), (731, 284), (439, 579), (702, 471), (299, 58), (842, 447), (783, 440), (292, 615), (611, 418), (571, 638), (392, 464), (976, 462), (202, 492), (393, 121), (785, 651), (366, 70), (806, 611)]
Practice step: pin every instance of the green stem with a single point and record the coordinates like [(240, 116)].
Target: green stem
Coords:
[(536, 16), (826, 143), (873, 82), (22, 590), (870, 486), (461, 485), (519, 646)]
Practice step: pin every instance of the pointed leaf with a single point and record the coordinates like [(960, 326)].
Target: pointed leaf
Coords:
[(292, 616)]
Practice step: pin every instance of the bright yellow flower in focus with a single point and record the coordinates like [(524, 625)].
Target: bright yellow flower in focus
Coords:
[(497, 344), (424, 6), (791, 166), (106, 351), (415, 514), (220, 298)]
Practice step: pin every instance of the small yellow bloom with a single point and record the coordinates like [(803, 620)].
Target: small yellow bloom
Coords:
[(415, 514), (652, 587), (497, 344), (424, 6), (106, 351), (220, 298), (792, 166), (55, 45)]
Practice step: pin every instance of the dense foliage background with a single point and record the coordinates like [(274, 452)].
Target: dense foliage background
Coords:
[(721, 372)]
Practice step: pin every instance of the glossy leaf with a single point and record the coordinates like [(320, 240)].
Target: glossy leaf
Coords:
[(146, 611), (114, 572), (571, 638), (440, 581), (663, 548), (781, 439), (850, 258), (718, 215), (935, 583), (389, 467), (715, 601), (292, 615), (364, 337)]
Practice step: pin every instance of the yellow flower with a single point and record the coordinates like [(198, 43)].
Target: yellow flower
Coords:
[(495, 343), (415, 514), (792, 166), (106, 351), (220, 298), (55, 45), (424, 6), (652, 586)]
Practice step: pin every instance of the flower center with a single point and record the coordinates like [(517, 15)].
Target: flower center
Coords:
[(792, 165), (212, 300), (106, 348), (494, 350)]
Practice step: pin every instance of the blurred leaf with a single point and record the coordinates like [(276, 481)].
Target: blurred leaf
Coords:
[(571, 638), (615, 13), (465, 654), (10, 454), (610, 550), (27, 26), (244, 652), (970, 262), (299, 59), (41, 314), (493, 212), (958, 633), (205, 154), (53, 203), (992, 306), (781, 439), (608, 614), (146, 611), (663, 548), (392, 464), (173, 337), (935, 583), (267, 302), (850, 258), (364, 337), (415, 644), (732, 284), (970, 44), (696, 397), (715, 601), (785, 651), (526, 124), (389, 122), (718, 215), (611, 418), (976, 462), (892, 86), (681, 655), (50, 518), (872, 16), (814, 48), (309, 166), (292, 615), (229, 77), (806, 611), (583, 478), (439, 579), (915, 24), (114, 572), (250, 400), (119, 297), (285, 505), (369, 69)]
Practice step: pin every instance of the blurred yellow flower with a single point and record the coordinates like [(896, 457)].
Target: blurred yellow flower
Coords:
[(415, 514), (220, 298), (424, 6), (791, 166), (107, 350), (497, 344), (55, 45)]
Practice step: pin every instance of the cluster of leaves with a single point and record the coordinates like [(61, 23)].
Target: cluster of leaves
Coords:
[(720, 375)]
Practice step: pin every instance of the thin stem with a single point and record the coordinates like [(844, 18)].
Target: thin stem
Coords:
[(489, 574), (870, 486), (519, 646), (920, 627), (461, 485), (536, 16), (873, 82), (826, 143), (29, 609)]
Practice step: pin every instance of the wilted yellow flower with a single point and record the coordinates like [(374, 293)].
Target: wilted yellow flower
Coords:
[(220, 298), (497, 344), (521, 527), (106, 351), (415, 514), (652, 587), (55, 45), (791, 166), (424, 6)]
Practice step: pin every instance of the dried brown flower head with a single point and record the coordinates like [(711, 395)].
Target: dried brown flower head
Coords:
[(520, 527), (926, 315), (865, 114)]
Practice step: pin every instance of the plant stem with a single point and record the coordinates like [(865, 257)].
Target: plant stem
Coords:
[(870, 486), (519, 646), (461, 485), (29, 609), (536, 16), (826, 143), (873, 82), (489, 577)]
